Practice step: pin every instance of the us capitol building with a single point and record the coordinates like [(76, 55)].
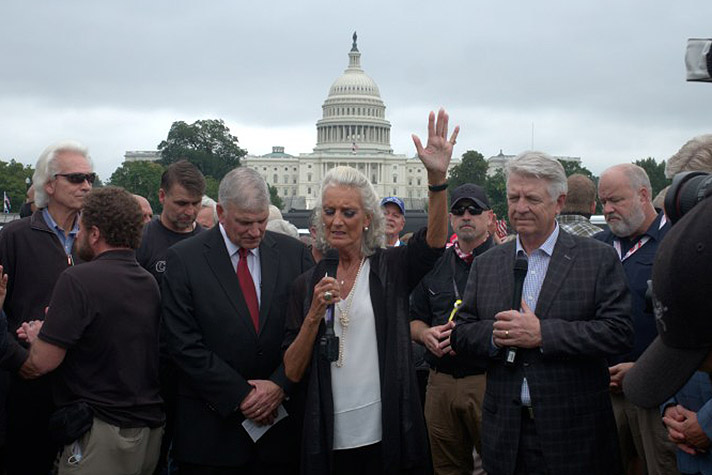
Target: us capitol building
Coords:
[(353, 131)]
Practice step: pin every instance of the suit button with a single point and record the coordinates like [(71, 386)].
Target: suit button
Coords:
[(526, 365), (259, 353)]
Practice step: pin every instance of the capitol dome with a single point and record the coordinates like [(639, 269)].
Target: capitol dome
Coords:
[(353, 114)]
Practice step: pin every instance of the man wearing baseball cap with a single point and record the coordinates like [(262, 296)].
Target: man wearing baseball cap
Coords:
[(394, 212), (681, 282), (456, 385)]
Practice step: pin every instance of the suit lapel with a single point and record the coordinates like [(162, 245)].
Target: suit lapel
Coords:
[(219, 262), (561, 261), (269, 267), (505, 275)]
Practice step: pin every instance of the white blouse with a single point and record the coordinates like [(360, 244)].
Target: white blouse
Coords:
[(356, 386)]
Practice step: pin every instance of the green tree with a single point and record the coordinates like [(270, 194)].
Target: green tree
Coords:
[(211, 187), (472, 169), (656, 173), (575, 167), (496, 189), (142, 178), (207, 144), (12, 182), (274, 196)]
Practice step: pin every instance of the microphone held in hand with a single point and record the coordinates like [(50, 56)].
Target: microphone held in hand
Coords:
[(521, 264), (329, 343)]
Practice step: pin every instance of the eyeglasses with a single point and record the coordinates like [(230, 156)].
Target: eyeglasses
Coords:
[(473, 210), (78, 178)]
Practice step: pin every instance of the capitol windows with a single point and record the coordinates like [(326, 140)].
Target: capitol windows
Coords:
[(419, 183), (410, 182), (294, 179), (275, 179), (395, 178), (309, 175), (309, 191)]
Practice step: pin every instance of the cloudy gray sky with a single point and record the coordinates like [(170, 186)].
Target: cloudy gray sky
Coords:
[(602, 80)]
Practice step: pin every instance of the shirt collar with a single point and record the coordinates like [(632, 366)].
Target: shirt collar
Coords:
[(233, 248), (52, 224), (548, 246)]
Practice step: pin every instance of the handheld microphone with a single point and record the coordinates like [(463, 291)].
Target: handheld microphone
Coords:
[(521, 264), (329, 343)]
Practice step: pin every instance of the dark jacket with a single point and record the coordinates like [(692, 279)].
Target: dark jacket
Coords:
[(210, 336), (394, 273), (432, 302), (33, 258), (638, 270), (584, 312)]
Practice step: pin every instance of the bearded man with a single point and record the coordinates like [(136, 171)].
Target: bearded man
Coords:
[(635, 230)]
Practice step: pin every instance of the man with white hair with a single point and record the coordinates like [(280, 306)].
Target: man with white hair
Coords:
[(635, 231), (34, 251), (224, 302), (546, 407)]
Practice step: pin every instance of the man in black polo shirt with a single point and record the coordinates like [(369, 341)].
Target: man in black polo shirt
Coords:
[(106, 343), (456, 386)]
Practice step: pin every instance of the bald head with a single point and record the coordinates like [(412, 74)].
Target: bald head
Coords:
[(626, 196), (145, 208)]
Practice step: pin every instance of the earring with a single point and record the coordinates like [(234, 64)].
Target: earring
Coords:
[(365, 229)]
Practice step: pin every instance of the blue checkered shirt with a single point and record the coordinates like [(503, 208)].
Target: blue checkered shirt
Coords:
[(536, 273)]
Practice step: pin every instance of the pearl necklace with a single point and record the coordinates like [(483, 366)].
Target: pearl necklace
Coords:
[(344, 316)]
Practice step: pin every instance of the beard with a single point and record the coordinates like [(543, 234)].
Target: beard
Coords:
[(625, 226), (84, 250)]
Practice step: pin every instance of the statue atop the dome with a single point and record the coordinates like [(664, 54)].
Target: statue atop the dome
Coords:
[(354, 47)]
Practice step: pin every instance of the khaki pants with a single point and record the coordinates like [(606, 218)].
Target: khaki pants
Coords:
[(641, 431), (453, 412), (109, 450)]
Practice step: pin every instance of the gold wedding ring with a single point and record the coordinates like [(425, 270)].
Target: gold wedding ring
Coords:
[(328, 296)]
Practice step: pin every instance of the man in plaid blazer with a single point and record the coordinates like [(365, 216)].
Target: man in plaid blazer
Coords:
[(549, 412)]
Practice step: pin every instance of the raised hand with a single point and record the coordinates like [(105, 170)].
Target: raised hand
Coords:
[(438, 151)]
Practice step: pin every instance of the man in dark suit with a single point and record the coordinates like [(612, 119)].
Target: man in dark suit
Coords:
[(224, 296), (548, 412)]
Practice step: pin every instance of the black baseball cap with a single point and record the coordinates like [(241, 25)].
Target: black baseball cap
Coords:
[(469, 191), (682, 281)]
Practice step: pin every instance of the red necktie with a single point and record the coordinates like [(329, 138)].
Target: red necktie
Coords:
[(248, 288)]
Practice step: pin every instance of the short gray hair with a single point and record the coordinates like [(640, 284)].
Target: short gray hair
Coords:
[(695, 155), (46, 166), (375, 236), (245, 189), (540, 165)]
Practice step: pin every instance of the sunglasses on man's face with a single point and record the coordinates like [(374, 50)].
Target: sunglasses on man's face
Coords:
[(78, 178), (460, 210)]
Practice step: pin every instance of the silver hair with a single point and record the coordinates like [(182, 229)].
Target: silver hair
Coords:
[(695, 155), (208, 202), (283, 227), (636, 175), (245, 189), (46, 166), (375, 236), (540, 165)]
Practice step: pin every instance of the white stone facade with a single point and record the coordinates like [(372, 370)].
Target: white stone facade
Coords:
[(353, 131)]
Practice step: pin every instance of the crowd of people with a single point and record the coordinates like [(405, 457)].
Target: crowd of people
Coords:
[(208, 341)]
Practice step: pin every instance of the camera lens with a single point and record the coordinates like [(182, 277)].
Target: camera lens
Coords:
[(687, 189)]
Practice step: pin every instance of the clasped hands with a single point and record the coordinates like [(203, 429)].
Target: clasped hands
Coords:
[(515, 328), (684, 430), (262, 402)]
